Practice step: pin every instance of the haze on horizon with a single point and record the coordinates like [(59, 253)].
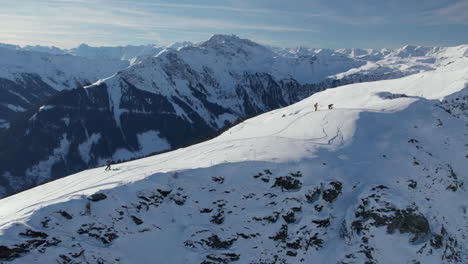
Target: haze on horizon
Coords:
[(312, 23)]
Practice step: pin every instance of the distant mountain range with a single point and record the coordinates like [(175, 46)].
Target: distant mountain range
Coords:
[(128, 52)]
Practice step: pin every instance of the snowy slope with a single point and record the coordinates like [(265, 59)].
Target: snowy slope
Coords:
[(379, 179)]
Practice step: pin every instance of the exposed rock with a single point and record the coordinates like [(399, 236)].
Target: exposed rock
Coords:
[(137, 220), (219, 180), (215, 242), (282, 234), (103, 233), (322, 223), (34, 234), (331, 194), (8, 253), (412, 184), (289, 217), (287, 183), (222, 258), (97, 197), (218, 218), (65, 215), (312, 195)]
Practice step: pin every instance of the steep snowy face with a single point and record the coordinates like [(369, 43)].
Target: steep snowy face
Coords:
[(46, 49), (378, 179)]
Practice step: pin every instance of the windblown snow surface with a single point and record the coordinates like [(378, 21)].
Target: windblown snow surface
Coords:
[(381, 178)]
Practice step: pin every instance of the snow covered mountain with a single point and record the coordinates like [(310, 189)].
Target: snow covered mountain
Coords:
[(29, 77), (173, 99), (356, 53), (27, 84), (128, 52), (381, 178), (380, 64), (121, 52), (159, 103), (31, 74)]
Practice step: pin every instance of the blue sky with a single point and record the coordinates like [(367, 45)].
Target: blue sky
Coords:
[(311, 23)]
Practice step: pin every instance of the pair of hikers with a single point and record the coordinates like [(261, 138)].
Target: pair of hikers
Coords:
[(330, 106)]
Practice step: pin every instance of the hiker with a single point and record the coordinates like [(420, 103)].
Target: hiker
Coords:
[(330, 106), (316, 106), (108, 165)]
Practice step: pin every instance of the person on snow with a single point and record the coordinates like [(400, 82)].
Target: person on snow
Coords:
[(316, 106), (330, 106), (108, 165)]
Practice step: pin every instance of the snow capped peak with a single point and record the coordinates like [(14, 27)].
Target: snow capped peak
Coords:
[(9, 46), (179, 45), (128, 53), (355, 52), (325, 52), (385, 51), (83, 45), (414, 51), (46, 49), (224, 41)]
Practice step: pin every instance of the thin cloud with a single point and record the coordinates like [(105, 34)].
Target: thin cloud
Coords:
[(215, 7), (68, 22), (141, 20), (75, 22), (456, 13)]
